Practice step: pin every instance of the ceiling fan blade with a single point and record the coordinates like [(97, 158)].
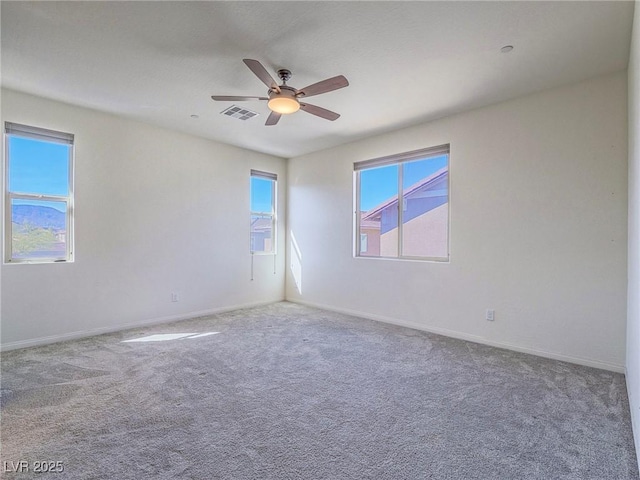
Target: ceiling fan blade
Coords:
[(328, 85), (273, 118), (231, 98), (261, 72), (319, 111)]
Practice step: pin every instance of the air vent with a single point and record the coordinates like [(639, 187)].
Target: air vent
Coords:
[(239, 112)]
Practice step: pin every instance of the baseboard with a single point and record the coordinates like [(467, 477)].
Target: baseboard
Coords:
[(466, 336), (35, 342)]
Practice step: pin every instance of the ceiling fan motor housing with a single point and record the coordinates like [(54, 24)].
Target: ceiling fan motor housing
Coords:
[(284, 75)]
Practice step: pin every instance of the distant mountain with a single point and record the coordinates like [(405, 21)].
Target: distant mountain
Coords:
[(40, 216)]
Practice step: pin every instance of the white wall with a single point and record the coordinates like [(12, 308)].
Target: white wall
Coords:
[(538, 227), (633, 296), (156, 212)]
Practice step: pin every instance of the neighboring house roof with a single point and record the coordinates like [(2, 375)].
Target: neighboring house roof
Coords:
[(423, 184), (369, 224), (261, 224)]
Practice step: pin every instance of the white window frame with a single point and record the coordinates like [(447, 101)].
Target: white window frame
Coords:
[(399, 159), (37, 133), (272, 214)]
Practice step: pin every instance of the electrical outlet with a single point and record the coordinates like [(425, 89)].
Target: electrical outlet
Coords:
[(491, 315), (174, 297)]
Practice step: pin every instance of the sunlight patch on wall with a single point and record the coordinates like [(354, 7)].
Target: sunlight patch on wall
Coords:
[(296, 263)]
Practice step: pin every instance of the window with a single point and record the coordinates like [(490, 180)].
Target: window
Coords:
[(363, 243), (38, 194), (263, 211), (402, 205)]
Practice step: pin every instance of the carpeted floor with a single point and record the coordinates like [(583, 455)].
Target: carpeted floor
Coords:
[(290, 392)]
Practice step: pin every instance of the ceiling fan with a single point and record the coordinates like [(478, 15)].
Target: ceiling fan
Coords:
[(283, 99)]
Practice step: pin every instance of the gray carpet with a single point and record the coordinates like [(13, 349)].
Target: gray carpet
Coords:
[(290, 392)]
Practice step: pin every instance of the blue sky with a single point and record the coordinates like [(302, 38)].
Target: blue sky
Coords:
[(38, 167), (378, 185), (261, 195)]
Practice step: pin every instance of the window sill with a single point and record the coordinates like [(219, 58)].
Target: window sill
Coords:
[(405, 259), (37, 262)]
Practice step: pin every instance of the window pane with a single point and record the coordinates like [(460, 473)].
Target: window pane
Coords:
[(39, 229), (38, 167), (425, 208), (364, 243), (261, 195), (261, 233), (379, 211)]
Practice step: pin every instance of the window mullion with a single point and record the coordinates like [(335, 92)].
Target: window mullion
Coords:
[(42, 198), (358, 215), (274, 201), (273, 198), (400, 207)]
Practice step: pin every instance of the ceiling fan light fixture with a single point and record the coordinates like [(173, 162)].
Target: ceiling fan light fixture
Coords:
[(283, 103)]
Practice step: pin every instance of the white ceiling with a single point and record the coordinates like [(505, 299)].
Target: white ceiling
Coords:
[(407, 62)]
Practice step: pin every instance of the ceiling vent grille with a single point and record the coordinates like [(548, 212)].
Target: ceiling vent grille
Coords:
[(239, 112)]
